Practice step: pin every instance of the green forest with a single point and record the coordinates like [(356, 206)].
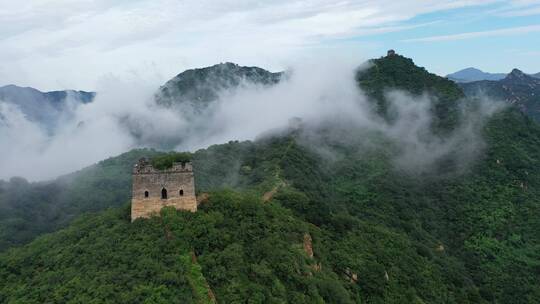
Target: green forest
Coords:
[(285, 223)]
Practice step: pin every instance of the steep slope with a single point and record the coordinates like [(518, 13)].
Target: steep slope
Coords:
[(473, 74), (30, 209), (400, 72), (198, 87), (396, 72), (234, 249), (43, 107), (378, 234), (125, 272), (518, 89)]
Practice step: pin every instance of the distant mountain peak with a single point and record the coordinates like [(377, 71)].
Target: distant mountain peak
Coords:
[(517, 76), (44, 108), (202, 86), (517, 88), (516, 73), (471, 69), (471, 74), (226, 64)]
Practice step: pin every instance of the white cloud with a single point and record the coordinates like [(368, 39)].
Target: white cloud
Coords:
[(529, 11), (322, 92), (470, 35), (64, 43), (518, 8)]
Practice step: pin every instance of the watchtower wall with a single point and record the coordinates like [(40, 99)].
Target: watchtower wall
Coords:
[(154, 189)]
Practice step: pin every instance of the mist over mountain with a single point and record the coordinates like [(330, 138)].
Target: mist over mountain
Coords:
[(517, 88), (421, 118), (390, 186), (44, 108), (47, 134), (270, 152), (199, 87), (201, 107)]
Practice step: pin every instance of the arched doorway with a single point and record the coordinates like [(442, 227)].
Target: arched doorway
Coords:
[(163, 193), (181, 192), (146, 194)]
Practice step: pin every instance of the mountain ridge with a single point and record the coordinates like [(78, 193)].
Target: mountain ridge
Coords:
[(472, 74), (377, 233), (199, 87), (517, 88), (44, 108)]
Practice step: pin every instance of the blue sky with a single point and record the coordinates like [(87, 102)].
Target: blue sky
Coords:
[(489, 51), (57, 44)]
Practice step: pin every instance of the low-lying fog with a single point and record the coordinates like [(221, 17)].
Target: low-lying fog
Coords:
[(124, 116)]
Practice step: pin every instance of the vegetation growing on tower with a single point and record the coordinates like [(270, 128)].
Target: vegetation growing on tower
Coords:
[(166, 161)]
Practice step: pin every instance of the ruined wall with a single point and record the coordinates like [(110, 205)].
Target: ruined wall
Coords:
[(178, 182)]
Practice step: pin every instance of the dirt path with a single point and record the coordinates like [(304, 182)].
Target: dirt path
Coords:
[(270, 194)]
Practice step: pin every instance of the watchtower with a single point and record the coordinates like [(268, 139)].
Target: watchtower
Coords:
[(154, 189)]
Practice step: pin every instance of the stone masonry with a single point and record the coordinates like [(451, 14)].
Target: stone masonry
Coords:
[(154, 189)]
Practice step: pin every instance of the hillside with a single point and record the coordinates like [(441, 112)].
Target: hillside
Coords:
[(378, 233), (30, 209), (44, 108), (518, 89), (397, 72), (197, 88), (463, 240), (234, 249)]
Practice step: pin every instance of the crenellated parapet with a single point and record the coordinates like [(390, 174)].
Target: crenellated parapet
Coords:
[(143, 166)]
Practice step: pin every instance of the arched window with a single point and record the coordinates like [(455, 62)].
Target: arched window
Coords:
[(181, 192), (163, 193), (146, 193)]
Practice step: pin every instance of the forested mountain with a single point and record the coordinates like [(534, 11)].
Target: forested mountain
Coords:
[(307, 215), (518, 89), (398, 72), (44, 108), (196, 88), (30, 209)]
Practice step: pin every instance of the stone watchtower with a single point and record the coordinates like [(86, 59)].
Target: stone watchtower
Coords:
[(154, 189)]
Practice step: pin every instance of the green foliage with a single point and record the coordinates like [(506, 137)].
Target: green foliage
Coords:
[(166, 161), (398, 72), (379, 234), (196, 279), (30, 209), (518, 89), (199, 87), (98, 259), (242, 248)]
